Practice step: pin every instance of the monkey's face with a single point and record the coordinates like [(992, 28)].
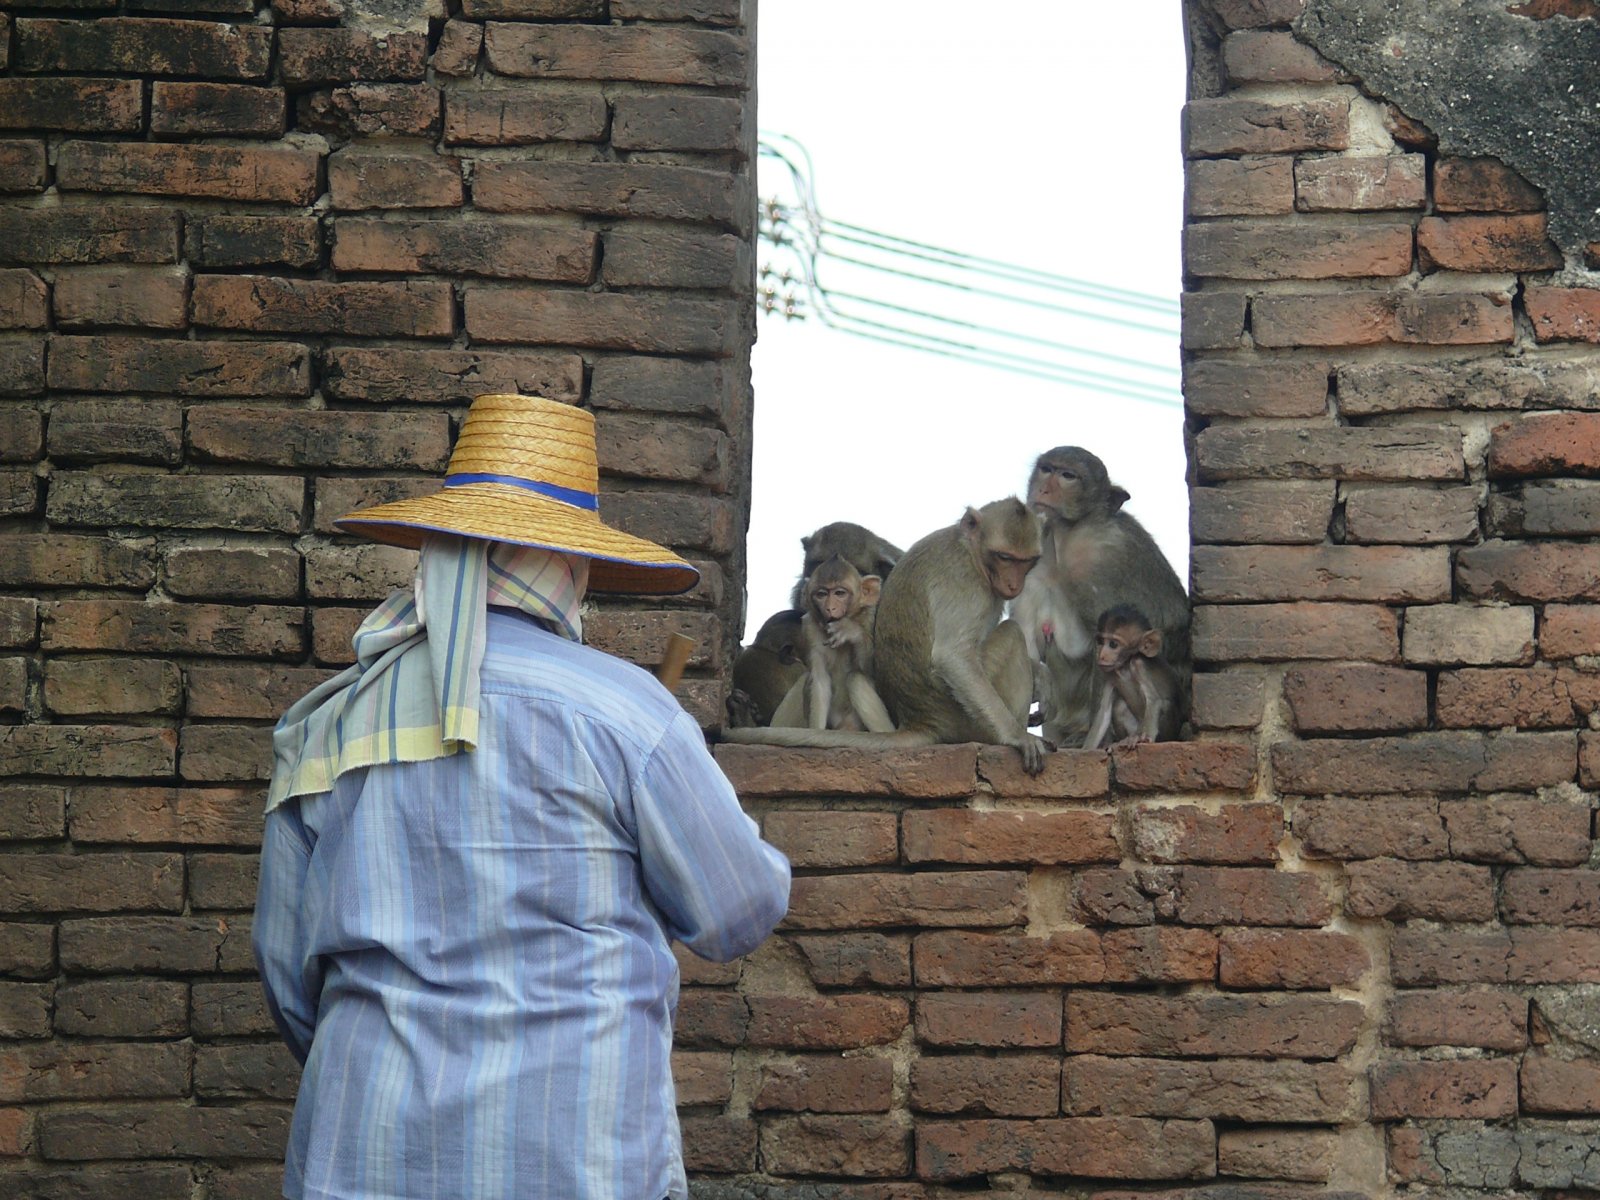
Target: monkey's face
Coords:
[(1116, 645), (1006, 572), (833, 602), (1061, 486)]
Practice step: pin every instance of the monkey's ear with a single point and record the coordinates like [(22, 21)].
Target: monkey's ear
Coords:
[(970, 520), (871, 589), (1150, 643), (1116, 497), (805, 543)]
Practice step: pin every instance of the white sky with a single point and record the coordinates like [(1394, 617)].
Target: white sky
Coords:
[(1046, 137)]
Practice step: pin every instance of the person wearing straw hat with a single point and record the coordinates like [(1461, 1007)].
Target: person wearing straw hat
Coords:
[(481, 840)]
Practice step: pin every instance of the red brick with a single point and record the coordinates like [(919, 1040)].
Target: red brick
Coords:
[(870, 1147), (1552, 1085), (1374, 388), (19, 622), (130, 625), (1300, 1154), (685, 522), (75, 687), (535, 10), (129, 1008), (457, 53), (1249, 896), (1245, 187), (702, 12), (35, 883), (145, 45), (16, 1132), (711, 1018), (213, 369), (148, 297), (1518, 955), (964, 836), (74, 560), (1291, 959), (98, 235), (1000, 1019), (1237, 833), (362, 572), (1198, 1025), (1568, 631), (94, 1071), (524, 116), (1492, 1020), (123, 429), (1546, 444), (21, 366), (937, 772), (1411, 515), (223, 573), (246, 173), (371, 110), (1406, 454), (648, 448), (235, 241), (324, 56), (361, 178), (1529, 571), (13, 685), (638, 191), (1507, 829), (70, 106), (1105, 1147), (27, 813), (1361, 183), (245, 1072), (1212, 320), (663, 55), (702, 1077), (1482, 185), (647, 323), (175, 1129), (1067, 774), (86, 750), (1219, 387), (1013, 1086), (227, 1009), (1308, 249), (1511, 243), (1274, 57), (1528, 699), (1564, 313), (863, 901), (1262, 513), (816, 1083), (331, 631), (1159, 955), (25, 1009), (1228, 700), (1404, 827), (1481, 1090), (958, 959), (224, 753), (1185, 766), (260, 303), (1544, 897), (1357, 698), (1367, 318), (833, 839), (1358, 573), (1395, 890), (1450, 634), (826, 1022), (222, 109), (447, 376), (19, 492), (679, 121), (224, 880), (240, 502), (23, 166), (1226, 1089), (857, 959), (1235, 126), (1426, 762), (725, 1144), (652, 256), (1545, 508), (282, 437)]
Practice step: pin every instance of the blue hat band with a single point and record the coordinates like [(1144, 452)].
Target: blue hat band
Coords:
[(584, 500)]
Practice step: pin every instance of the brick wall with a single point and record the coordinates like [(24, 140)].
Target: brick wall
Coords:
[(254, 263)]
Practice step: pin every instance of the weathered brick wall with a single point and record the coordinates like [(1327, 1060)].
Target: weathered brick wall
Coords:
[(254, 263)]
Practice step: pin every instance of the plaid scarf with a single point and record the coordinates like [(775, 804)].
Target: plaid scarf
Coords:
[(412, 694)]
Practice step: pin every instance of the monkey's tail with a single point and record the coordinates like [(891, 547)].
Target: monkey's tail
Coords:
[(831, 739)]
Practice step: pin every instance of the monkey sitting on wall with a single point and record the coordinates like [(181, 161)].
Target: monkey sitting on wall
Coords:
[(1094, 556), (856, 544), (836, 641), (947, 666), (1138, 690), (765, 671)]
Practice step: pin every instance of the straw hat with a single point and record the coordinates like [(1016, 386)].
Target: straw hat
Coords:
[(524, 471)]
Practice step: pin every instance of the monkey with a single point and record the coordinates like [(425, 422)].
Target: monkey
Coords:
[(1138, 690), (765, 670), (946, 664), (1094, 556), (860, 547), (836, 639)]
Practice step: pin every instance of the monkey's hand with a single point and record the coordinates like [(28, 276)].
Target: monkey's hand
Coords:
[(842, 633), (1033, 749)]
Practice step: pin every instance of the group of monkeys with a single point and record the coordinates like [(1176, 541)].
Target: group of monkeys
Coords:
[(884, 648)]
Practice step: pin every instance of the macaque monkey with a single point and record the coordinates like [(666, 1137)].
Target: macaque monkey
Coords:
[(765, 671), (1138, 691), (836, 640), (947, 666), (860, 547), (1094, 557)]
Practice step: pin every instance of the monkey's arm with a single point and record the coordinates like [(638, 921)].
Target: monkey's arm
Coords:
[(868, 704), (1102, 717), (982, 705), (819, 689)]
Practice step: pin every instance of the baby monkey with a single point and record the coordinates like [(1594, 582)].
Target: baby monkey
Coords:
[(1138, 691), (836, 643)]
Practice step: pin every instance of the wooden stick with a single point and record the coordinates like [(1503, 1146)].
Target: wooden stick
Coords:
[(679, 647)]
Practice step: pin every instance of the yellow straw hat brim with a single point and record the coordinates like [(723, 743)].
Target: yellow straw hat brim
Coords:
[(517, 463)]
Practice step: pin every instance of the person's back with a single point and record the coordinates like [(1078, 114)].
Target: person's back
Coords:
[(497, 991)]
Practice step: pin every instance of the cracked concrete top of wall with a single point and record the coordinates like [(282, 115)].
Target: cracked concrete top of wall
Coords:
[(1489, 78)]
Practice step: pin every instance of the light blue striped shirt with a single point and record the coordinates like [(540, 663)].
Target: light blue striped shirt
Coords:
[(471, 955)]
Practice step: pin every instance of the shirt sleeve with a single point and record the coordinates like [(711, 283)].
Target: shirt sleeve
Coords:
[(292, 982), (720, 887)]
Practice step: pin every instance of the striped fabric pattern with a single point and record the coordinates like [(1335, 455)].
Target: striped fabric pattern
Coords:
[(472, 954), (413, 691)]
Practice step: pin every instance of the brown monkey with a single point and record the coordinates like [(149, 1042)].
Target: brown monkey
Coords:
[(857, 545), (1138, 690), (1095, 556), (836, 642), (946, 664), (765, 670)]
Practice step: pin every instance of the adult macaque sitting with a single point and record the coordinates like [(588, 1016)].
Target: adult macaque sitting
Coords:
[(1138, 689)]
